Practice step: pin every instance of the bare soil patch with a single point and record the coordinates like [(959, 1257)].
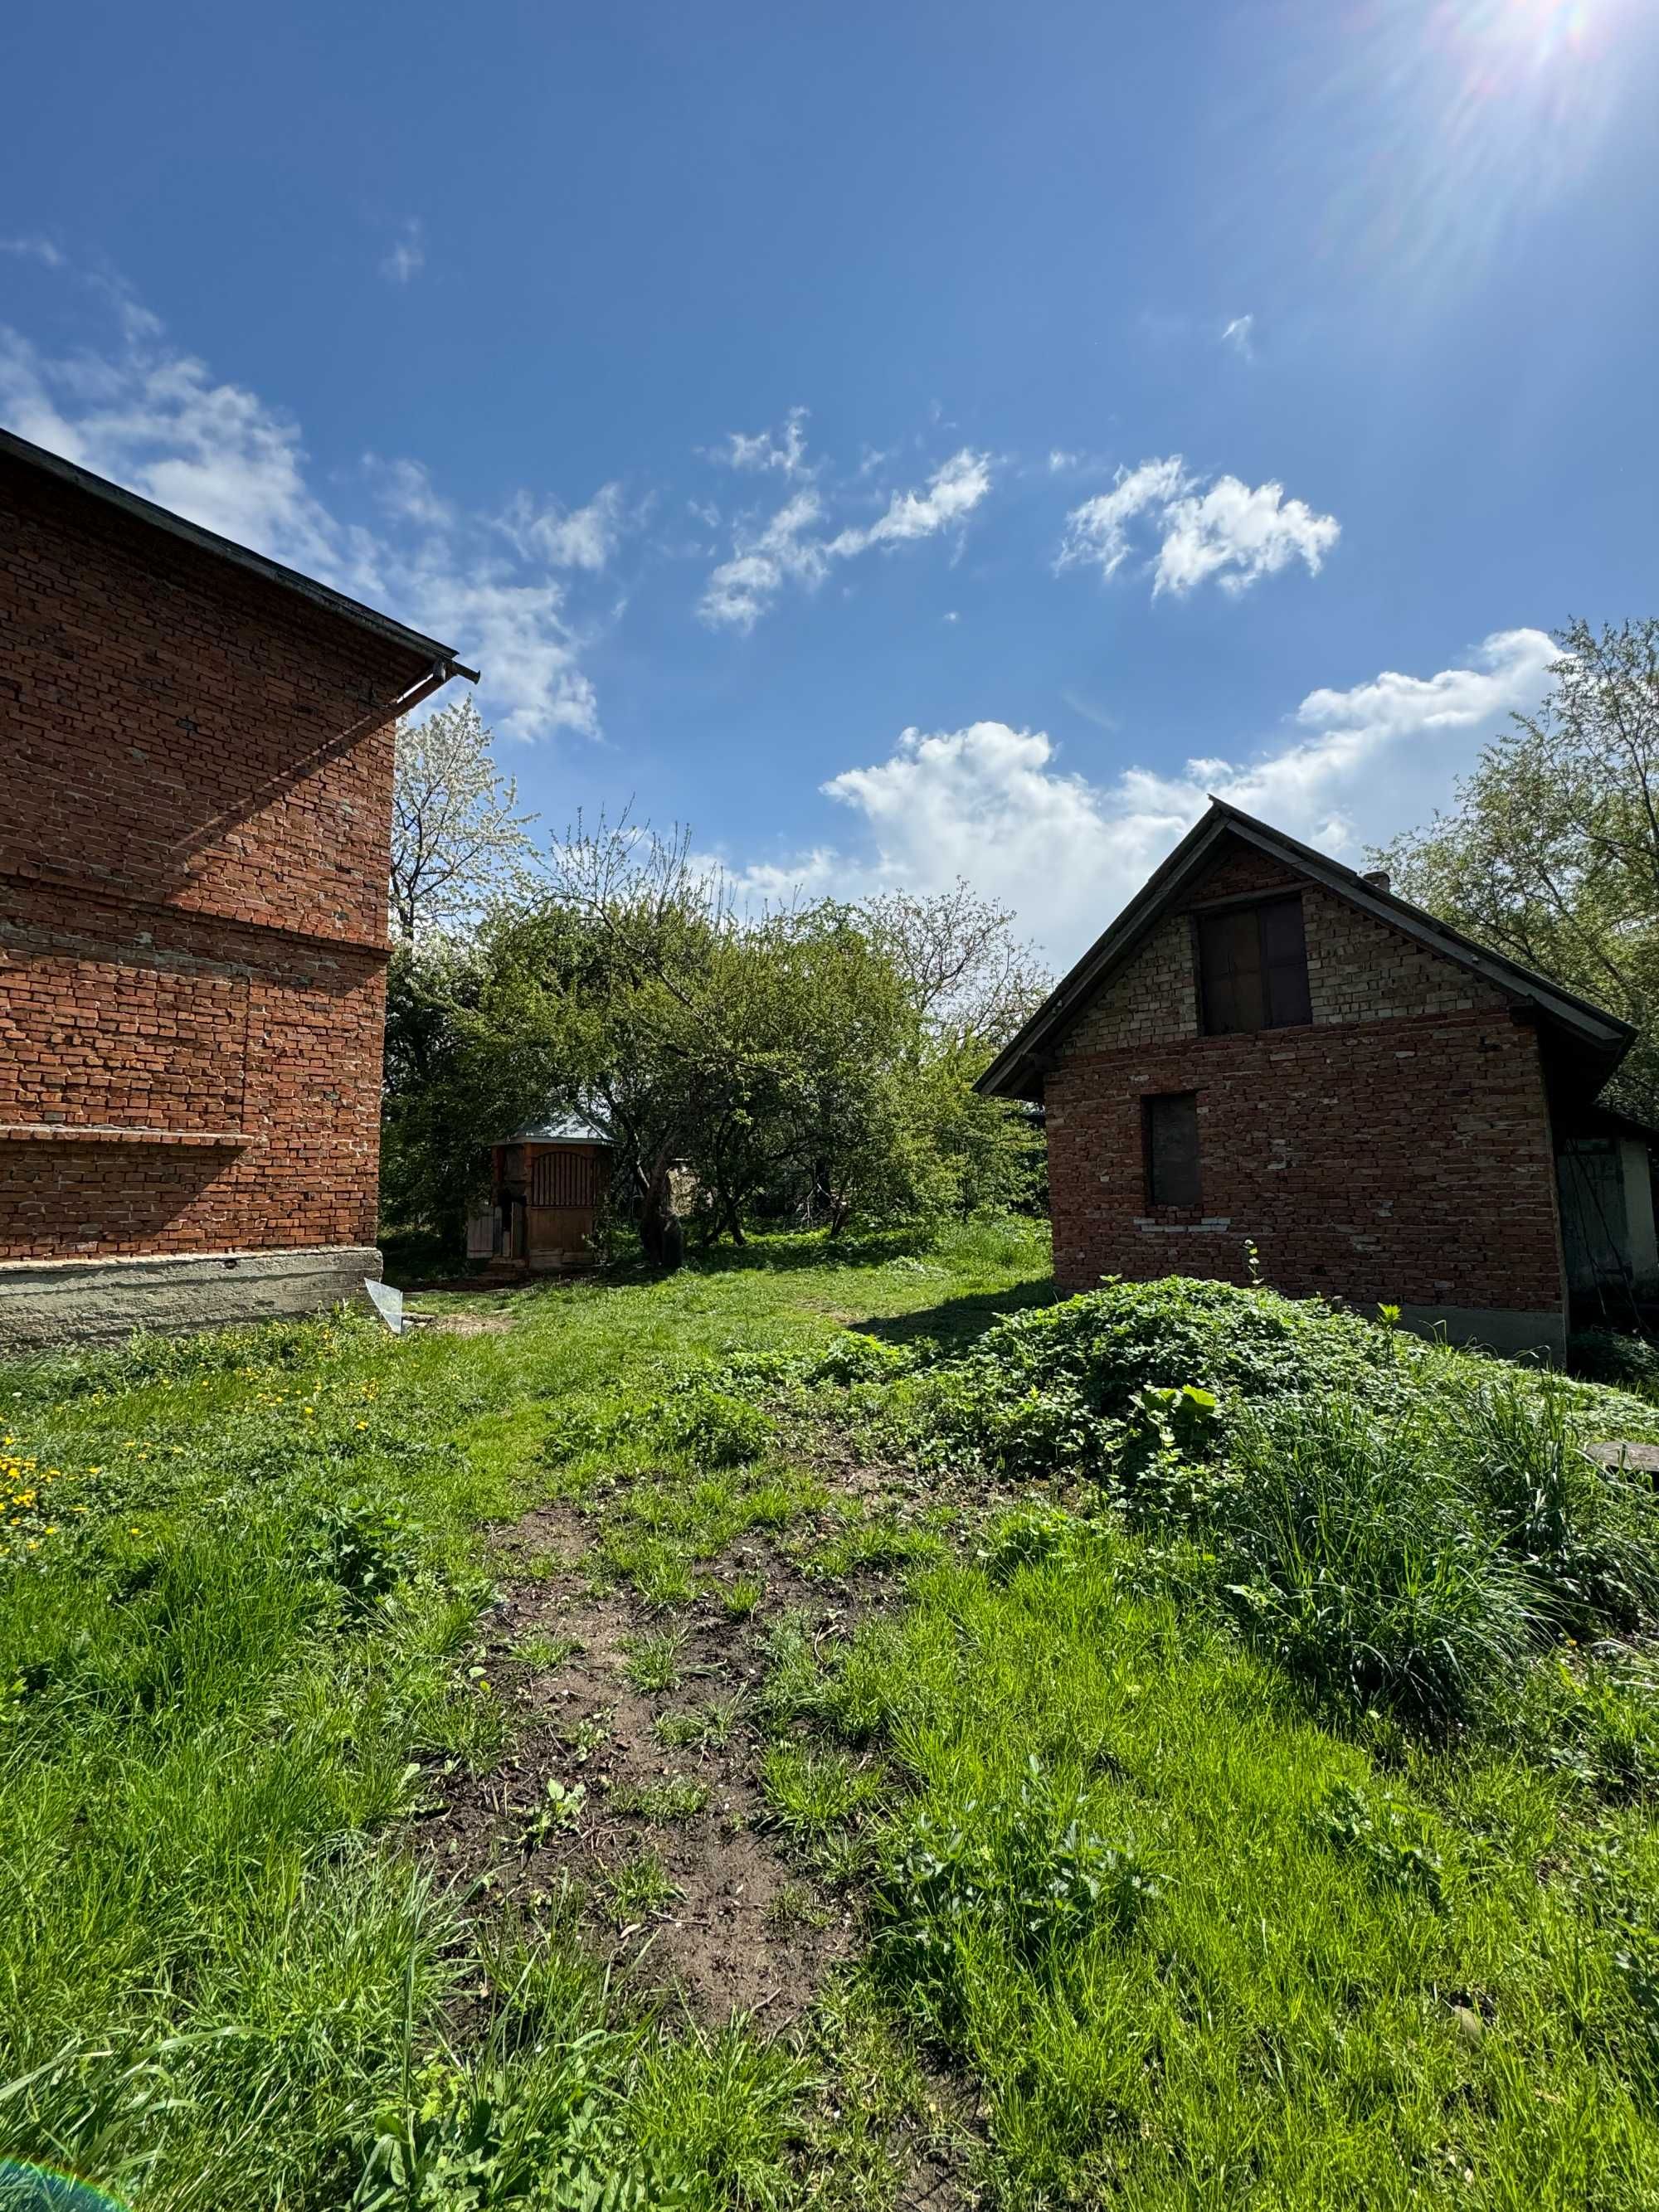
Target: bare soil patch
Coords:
[(746, 1931)]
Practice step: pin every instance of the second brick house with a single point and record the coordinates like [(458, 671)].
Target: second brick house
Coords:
[(1270, 1060)]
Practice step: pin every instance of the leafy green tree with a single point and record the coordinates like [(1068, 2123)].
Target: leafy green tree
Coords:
[(813, 1063), (1551, 851)]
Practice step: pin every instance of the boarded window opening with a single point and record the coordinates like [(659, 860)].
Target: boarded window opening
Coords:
[(565, 1178), (1253, 967), (1171, 1128)]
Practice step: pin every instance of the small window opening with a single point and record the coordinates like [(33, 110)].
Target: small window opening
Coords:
[(1253, 967), (1171, 1139)]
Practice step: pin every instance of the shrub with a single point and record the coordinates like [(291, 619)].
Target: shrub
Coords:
[(854, 1357), (1062, 1388), (1362, 1569), (1629, 1363), (1110, 1344), (964, 1411)]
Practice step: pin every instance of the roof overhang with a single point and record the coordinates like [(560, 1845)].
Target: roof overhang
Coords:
[(1019, 1069), (436, 655)]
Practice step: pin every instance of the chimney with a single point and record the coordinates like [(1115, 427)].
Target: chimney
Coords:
[(1378, 878)]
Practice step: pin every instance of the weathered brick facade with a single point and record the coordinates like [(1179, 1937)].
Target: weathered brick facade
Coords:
[(193, 852), (1395, 1148)]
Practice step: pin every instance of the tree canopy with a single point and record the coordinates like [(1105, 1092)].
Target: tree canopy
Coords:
[(1550, 852), (458, 843), (812, 1062)]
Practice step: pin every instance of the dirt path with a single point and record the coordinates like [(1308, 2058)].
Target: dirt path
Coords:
[(632, 1794), (744, 1930)]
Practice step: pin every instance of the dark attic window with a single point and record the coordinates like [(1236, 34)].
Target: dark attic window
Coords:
[(1169, 1125), (1253, 967)]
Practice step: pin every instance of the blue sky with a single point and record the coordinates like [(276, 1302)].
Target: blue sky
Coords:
[(899, 441)]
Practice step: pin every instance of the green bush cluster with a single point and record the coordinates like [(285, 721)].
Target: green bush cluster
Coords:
[(1605, 1355), (1399, 1525)]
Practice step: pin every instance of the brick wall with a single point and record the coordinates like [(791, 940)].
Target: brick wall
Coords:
[(193, 893), (1396, 1148)]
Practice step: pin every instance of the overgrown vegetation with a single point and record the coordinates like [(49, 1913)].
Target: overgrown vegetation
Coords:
[(241, 1579), (1550, 851), (1232, 1730)]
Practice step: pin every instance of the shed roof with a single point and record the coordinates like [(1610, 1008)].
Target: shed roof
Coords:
[(12, 447), (560, 1130), (1018, 1069)]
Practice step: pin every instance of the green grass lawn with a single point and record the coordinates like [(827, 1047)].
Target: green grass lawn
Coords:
[(1141, 1914)]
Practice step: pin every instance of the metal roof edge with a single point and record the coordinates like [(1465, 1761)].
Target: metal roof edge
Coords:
[(209, 541)]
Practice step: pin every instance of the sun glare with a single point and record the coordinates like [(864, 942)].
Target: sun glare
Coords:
[(1449, 124)]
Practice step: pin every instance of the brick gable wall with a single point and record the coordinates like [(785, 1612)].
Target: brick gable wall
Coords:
[(1395, 1148), (192, 894)]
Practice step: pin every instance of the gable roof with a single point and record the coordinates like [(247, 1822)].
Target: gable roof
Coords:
[(1018, 1069), (14, 448)]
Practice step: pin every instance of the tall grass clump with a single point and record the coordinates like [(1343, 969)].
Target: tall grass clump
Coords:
[(1586, 1534), (1364, 1569)]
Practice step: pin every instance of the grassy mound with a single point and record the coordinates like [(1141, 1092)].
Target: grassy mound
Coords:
[(1400, 1524)]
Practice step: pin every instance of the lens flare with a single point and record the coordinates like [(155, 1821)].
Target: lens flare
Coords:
[(1422, 136), (44, 2189)]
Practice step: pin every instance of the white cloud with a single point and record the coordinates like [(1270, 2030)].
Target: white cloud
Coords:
[(35, 249), (954, 490), (741, 589), (155, 419), (405, 488), (1239, 334), (1098, 530), (405, 258), (1225, 530), (1238, 535), (789, 547), (574, 537), (784, 449), (994, 805), (1059, 460)]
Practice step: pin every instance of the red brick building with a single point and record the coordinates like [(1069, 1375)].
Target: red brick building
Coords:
[(1267, 1048), (197, 746)]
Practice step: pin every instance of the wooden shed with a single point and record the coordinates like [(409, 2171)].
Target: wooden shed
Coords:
[(548, 1182)]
